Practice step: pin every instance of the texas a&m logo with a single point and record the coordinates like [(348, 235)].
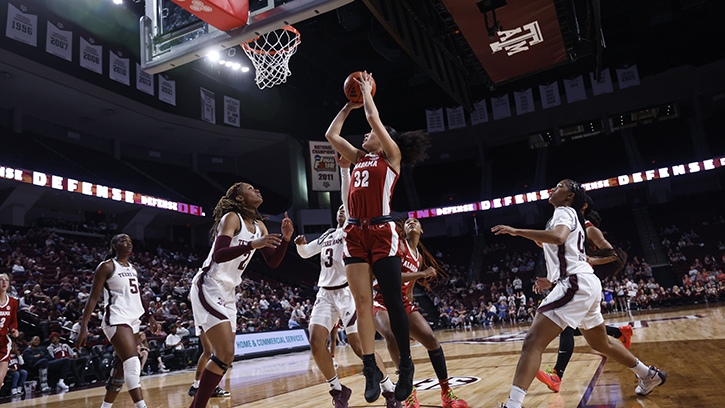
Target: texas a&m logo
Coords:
[(518, 40)]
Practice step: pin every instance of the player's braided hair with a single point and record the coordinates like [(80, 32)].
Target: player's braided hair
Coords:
[(228, 204), (114, 241), (590, 214), (609, 269), (412, 145), (428, 260)]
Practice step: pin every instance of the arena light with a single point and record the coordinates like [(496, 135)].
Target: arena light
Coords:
[(213, 56), (96, 190), (638, 177), (236, 66), (245, 69), (117, 1)]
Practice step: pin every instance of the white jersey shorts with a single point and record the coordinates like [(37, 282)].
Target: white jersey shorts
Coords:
[(574, 302), (110, 331), (332, 305), (212, 303)]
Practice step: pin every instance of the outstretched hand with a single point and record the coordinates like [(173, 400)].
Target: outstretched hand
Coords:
[(301, 240), (366, 82), (504, 229), (287, 228), (267, 241)]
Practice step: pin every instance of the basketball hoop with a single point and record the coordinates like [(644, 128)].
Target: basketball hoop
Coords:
[(270, 54)]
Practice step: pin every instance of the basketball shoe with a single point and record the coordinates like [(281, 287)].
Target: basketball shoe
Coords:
[(404, 386), (341, 397), (450, 400), (192, 391), (550, 378), (626, 338), (390, 401), (412, 400), (656, 377), (220, 392), (373, 376)]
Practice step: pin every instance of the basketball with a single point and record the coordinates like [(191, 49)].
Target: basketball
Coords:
[(352, 88)]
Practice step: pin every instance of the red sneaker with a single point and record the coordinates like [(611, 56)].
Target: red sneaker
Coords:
[(626, 338), (412, 400), (550, 378), (450, 400)]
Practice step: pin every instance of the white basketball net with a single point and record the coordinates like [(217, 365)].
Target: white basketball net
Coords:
[(270, 54)]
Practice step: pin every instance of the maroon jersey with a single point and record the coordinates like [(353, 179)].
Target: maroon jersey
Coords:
[(59, 350), (8, 316), (371, 187), (14, 362)]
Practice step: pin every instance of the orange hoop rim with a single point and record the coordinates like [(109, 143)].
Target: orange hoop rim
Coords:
[(284, 50)]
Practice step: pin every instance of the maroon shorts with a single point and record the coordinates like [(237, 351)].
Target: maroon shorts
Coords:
[(379, 305), (370, 243), (5, 346)]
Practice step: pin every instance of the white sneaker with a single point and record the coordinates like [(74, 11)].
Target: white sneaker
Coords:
[(163, 369), (15, 392), (62, 386), (44, 388), (655, 378)]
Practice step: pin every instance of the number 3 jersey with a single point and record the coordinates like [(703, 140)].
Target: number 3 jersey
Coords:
[(371, 187), (230, 273), (330, 246), (122, 296), (568, 258)]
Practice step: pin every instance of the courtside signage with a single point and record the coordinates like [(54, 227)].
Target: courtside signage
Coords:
[(253, 343), (639, 177), (95, 190)]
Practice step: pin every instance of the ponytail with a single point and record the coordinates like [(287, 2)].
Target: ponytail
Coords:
[(114, 241)]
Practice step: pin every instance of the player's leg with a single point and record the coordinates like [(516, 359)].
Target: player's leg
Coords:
[(201, 363), (221, 338), (382, 326), (124, 344)]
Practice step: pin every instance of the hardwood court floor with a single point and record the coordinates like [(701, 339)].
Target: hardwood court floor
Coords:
[(689, 343)]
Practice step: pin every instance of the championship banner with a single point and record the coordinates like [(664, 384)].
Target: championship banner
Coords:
[(325, 174), (119, 68), (628, 77), (456, 119), (264, 342), (208, 106), (59, 42), (22, 26), (91, 56), (604, 85), (524, 102), (574, 89), (167, 90), (550, 95), (144, 80), (479, 114), (501, 107), (434, 120), (231, 111)]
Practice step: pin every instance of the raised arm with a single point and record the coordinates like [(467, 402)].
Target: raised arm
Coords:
[(273, 257), (344, 165), (391, 149), (308, 249), (556, 236), (338, 142)]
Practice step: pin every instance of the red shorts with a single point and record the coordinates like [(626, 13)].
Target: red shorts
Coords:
[(5, 346), (379, 305), (371, 243)]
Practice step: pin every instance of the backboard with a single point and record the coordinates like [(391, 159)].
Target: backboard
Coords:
[(171, 36)]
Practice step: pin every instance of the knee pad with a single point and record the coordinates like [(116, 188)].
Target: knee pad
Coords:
[(114, 363), (220, 363), (132, 373), (114, 384)]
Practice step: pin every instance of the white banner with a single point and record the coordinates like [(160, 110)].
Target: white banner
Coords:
[(628, 77), (144, 80), (167, 90), (208, 106), (524, 102), (119, 69), (480, 113), (550, 95), (434, 119), (325, 174), (91, 56), (59, 42), (501, 107), (253, 343), (231, 111), (604, 85), (574, 89), (456, 119), (21, 26)]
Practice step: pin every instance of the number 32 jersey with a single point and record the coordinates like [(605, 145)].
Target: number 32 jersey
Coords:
[(122, 296), (330, 247), (371, 187)]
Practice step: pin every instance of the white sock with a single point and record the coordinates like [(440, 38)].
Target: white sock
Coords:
[(516, 398), (196, 384), (335, 384), (106, 404), (387, 385), (140, 404), (640, 369)]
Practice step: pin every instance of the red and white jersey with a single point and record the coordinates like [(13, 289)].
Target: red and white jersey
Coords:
[(568, 258), (8, 315), (15, 362), (411, 264), (122, 296), (371, 187), (330, 247), (230, 273), (60, 350)]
